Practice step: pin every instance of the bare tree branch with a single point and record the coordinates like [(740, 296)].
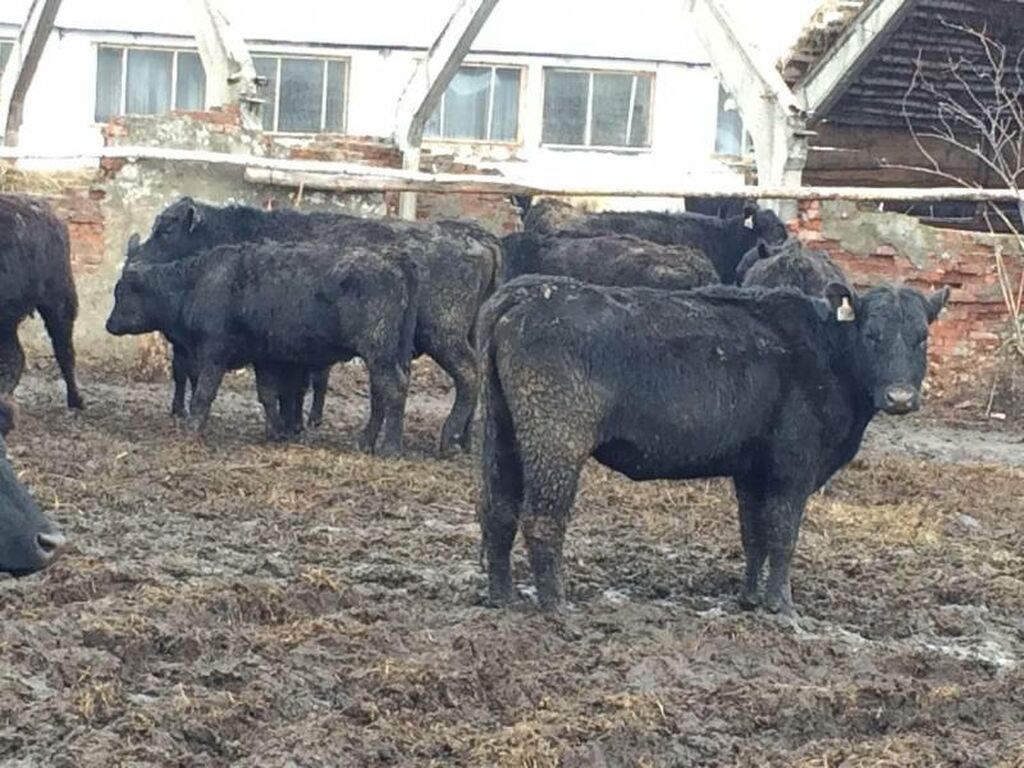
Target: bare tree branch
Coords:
[(975, 105)]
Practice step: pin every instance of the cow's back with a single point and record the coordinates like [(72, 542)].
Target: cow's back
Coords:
[(34, 255), (705, 371)]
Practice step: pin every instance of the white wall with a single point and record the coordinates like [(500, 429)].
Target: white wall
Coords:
[(60, 107)]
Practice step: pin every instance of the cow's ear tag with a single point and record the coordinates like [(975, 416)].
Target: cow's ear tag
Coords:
[(844, 312), (749, 222)]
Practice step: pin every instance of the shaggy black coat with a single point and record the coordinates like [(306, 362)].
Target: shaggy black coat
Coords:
[(35, 274), (459, 263), (28, 539), (607, 260), (770, 388), (281, 307)]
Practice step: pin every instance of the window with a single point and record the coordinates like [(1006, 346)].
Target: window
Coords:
[(5, 51), (303, 95), (597, 109), (730, 136), (480, 104), (147, 81)]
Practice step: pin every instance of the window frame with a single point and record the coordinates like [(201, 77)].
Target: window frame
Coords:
[(588, 127), (493, 66), (325, 60), (124, 48), (11, 41), (746, 141)]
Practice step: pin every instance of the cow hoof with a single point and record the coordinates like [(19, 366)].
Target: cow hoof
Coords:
[(389, 451), (749, 599), (501, 596), (75, 402), (195, 426), (364, 444), (446, 452), (778, 605), (315, 423)]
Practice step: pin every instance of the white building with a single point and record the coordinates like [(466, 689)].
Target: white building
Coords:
[(587, 90)]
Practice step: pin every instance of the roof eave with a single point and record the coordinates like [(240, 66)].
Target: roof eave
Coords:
[(823, 85)]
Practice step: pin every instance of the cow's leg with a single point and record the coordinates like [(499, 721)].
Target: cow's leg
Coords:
[(319, 378), (210, 375), (750, 495), (782, 517), (549, 488), (291, 395), (389, 386), (12, 358), (182, 373), (500, 500), (269, 384), (459, 362), (60, 322)]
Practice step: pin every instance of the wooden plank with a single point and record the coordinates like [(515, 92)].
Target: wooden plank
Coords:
[(482, 185), (348, 177)]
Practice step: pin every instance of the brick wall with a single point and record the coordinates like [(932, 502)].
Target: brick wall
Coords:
[(493, 211), (965, 341), (79, 206)]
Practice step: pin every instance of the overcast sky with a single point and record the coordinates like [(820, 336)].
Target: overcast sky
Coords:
[(643, 28), (773, 25)]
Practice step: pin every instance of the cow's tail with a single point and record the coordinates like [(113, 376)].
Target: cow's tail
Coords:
[(499, 453), (6, 416), (496, 262), (407, 339), (491, 276)]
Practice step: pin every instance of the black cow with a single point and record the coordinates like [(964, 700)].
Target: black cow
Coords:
[(770, 387), (458, 262), (723, 241), (35, 274), (621, 260), (789, 265), (29, 541), (290, 385), (281, 307)]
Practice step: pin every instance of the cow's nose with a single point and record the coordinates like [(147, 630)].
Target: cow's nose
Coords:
[(50, 545), (899, 399)]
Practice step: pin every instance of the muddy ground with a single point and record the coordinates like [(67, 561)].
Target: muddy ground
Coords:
[(230, 602)]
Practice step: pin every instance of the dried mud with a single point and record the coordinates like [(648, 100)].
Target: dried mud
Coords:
[(232, 602)]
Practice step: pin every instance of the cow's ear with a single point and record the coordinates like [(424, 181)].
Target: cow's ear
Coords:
[(843, 301), (133, 246), (749, 211), (934, 302), (193, 218)]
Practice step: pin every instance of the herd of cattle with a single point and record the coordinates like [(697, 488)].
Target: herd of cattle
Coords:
[(663, 345)]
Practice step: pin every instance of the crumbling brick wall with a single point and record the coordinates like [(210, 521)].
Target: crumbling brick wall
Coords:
[(876, 247), (496, 212)]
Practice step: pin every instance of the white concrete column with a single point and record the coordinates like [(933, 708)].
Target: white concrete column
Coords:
[(771, 114), (429, 81), (230, 74), (22, 64)]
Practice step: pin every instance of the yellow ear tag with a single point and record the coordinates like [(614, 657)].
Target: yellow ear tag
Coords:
[(844, 312)]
